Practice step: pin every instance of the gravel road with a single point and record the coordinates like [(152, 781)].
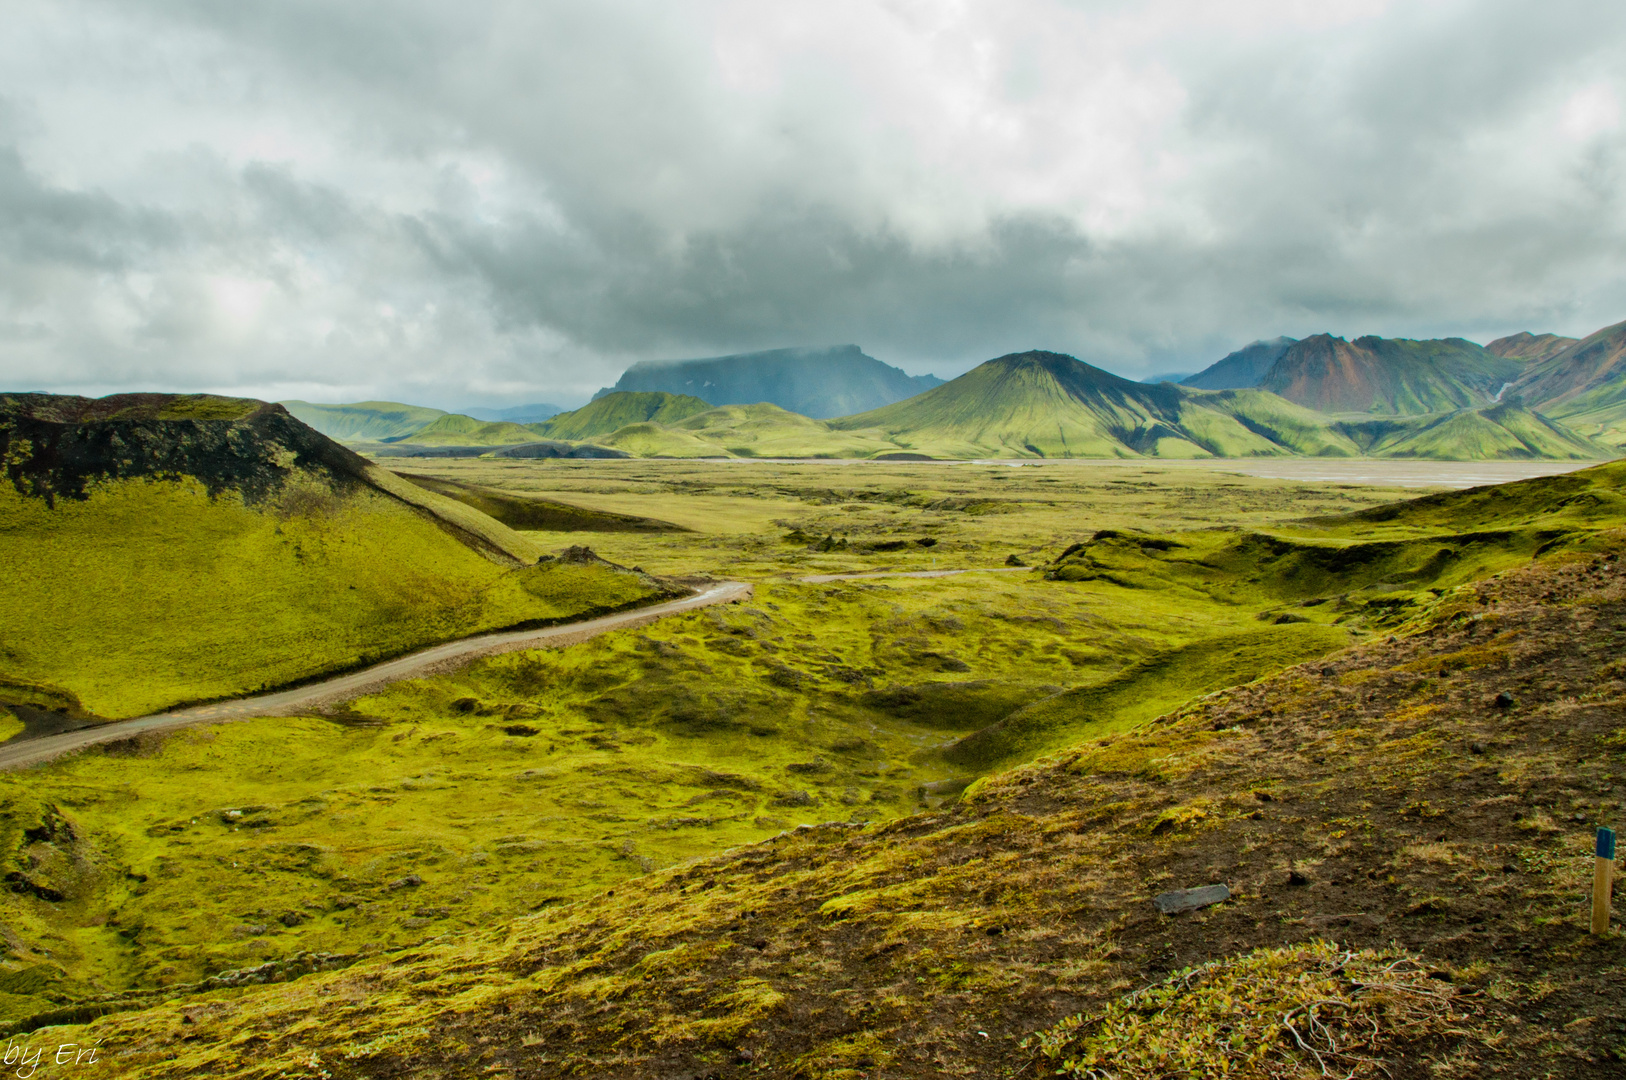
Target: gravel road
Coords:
[(438, 658)]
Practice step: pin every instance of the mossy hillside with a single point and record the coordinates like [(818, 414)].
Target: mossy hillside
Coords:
[(613, 412), (1584, 499), (1341, 805), (539, 515), (524, 779), (455, 429), (1145, 690), (1499, 433), (149, 593), (764, 430), (363, 421)]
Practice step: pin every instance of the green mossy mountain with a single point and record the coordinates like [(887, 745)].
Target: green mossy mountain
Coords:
[(363, 421), (1044, 404), (172, 548), (611, 412), (816, 382), (1389, 376), (1505, 432), (455, 429)]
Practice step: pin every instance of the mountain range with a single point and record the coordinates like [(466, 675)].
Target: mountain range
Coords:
[(817, 382), (1523, 396)]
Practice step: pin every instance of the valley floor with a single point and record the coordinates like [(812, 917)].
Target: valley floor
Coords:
[(880, 825)]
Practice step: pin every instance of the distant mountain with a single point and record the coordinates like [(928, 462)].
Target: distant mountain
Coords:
[(1050, 405), (1584, 385), (1243, 368), (455, 429), (1531, 348), (817, 382), (1506, 432), (518, 414), (363, 421), (613, 411), (1389, 376), (1172, 376)]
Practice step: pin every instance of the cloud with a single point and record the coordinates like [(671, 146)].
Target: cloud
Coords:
[(460, 202)]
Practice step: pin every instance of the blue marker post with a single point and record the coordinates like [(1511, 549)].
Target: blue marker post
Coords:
[(1603, 880)]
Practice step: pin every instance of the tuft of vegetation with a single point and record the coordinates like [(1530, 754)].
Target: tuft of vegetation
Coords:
[(1296, 1012)]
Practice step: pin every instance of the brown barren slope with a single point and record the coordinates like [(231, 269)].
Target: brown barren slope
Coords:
[(1531, 348), (1394, 376), (1594, 368), (1380, 796)]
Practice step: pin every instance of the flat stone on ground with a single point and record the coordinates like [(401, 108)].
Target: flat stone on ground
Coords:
[(1173, 903)]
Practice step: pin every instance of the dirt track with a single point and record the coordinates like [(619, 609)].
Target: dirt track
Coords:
[(452, 654)]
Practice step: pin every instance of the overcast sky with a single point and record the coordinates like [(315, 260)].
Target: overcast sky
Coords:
[(461, 202)]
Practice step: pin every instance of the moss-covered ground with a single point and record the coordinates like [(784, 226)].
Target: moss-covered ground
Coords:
[(518, 837), (1385, 799), (153, 592)]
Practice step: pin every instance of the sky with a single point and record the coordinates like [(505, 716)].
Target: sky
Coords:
[(482, 202)]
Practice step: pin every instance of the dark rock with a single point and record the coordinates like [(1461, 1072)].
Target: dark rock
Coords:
[(744, 1057), (1014, 560), (1477, 748), (465, 704), (1180, 900), (1328, 672), (1504, 700), (523, 731), (411, 881), (291, 918), (927, 541), (1295, 878)]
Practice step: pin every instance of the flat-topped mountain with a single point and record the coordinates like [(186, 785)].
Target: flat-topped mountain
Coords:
[(816, 382), (1243, 368)]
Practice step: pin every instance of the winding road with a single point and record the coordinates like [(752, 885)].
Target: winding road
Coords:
[(435, 659)]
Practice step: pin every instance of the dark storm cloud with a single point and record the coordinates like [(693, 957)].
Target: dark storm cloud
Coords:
[(454, 201)]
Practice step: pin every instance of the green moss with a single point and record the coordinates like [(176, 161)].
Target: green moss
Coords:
[(151, 593), (1147, 689)]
